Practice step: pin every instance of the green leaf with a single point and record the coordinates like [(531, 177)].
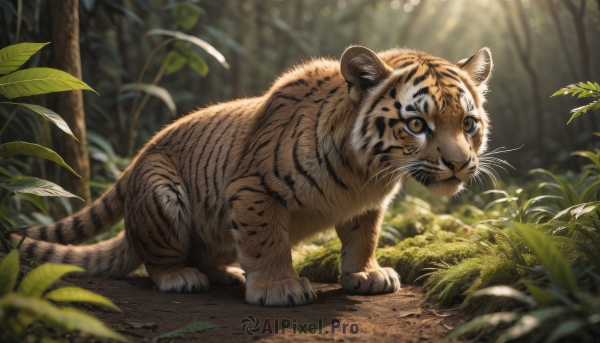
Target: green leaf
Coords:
[(9, 271), (194, 40), (193, 59), (14, 56), (153, 90), (198, 64), (196, 326), (540, 294), (549, 255), (66, 319), (48, 115), (174, 61), (38, 280), (565, 328), (76, 294), (492, 319), (30, 149), (506, 291), (40, 187), (187, 15), (34, 81), (529, 322)]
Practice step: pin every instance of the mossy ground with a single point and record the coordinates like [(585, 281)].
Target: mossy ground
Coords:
[(447, 256)]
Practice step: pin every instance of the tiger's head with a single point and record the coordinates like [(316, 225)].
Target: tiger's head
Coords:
[(419, 115)]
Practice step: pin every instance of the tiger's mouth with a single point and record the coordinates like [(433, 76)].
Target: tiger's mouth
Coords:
[(443, 187)]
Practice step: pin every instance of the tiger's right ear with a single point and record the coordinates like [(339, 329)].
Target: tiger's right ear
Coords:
[(362, 69)]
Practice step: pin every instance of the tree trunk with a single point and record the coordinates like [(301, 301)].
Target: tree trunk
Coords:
[(563, 41), (578, 15), (65, 42), (524, 51)]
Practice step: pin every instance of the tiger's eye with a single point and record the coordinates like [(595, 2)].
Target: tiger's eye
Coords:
[(468, 124), (416, 125)]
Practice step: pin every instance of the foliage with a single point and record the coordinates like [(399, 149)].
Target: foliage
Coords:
[(562, 281), (27, 82), (20, 309), (582, 90), (195, 326)]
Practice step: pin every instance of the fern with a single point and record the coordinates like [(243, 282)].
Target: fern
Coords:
[(582, 90)]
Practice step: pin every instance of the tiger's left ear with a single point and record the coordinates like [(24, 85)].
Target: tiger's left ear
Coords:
[(362, 69), (479, 66)]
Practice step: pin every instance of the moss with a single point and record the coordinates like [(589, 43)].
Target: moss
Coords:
[(411, 257), (322, 264), (449, 286)]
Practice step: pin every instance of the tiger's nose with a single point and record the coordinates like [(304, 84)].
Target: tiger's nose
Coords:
[(455, 166)]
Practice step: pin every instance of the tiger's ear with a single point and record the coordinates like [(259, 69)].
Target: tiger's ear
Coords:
[(479, 66), (362, 69)]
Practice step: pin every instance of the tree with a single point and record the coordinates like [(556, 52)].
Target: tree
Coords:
[(64, 15), (523, 47)]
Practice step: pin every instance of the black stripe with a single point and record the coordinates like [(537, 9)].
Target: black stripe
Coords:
[(96, 220), (31, 245), (380, 123), (107, 210), (303, 171), (67, 257), (77, 228), (411, 74), (422, 91), (333, 174), (421, 78), (43, 233), (58, 232), (47, 254)]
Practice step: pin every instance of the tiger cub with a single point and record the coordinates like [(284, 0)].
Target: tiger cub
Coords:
[(329, 145)]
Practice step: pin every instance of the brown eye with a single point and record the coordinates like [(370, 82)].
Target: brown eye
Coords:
[(469, 125), (416, 125)]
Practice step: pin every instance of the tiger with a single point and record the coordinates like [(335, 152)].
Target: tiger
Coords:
[(329, 145)]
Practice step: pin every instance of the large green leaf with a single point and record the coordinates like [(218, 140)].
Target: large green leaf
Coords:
[(187, 15), (153, 90), (33, 185), (196, 326), (565, 328), (9, 271), (174, 61), (38, 280), (14, 56), (547, 252), (506, 291), (76, 294), (492, 319), (34, 81), (30, 149), (194, 40), (540, 294), (193, 59), (529, 322), (66, 319), (50, 115)]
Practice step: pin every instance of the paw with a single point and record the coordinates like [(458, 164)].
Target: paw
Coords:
[(185, 280), (226, 275), (286, 293), (376, 281)]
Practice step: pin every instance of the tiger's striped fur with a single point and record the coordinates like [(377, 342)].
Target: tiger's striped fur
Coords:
[(329, 145)]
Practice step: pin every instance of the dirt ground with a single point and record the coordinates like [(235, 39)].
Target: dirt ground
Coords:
[(400, 317)]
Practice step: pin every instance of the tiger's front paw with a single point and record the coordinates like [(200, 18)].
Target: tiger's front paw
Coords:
[(376, 281), (285, 293)]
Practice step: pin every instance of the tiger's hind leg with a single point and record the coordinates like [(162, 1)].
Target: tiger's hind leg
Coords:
[(225, 275), (159, 223)]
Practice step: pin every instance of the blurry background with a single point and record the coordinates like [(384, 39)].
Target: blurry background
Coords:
[(538, 47)]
